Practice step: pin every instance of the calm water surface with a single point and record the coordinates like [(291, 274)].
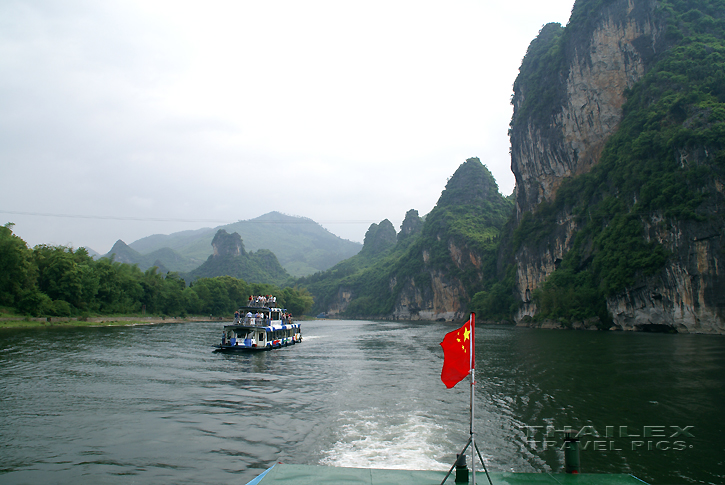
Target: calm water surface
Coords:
[(154, 404)]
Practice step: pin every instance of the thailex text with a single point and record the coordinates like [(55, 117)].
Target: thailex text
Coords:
[(613, 438)]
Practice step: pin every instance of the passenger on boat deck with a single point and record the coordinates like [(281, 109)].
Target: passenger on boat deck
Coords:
[(249, 315), (236, 316)]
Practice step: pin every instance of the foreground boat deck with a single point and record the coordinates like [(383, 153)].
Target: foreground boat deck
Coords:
[(310, 474)]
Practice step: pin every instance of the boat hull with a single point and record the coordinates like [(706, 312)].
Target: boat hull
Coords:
[(259, 334), (242, 348)]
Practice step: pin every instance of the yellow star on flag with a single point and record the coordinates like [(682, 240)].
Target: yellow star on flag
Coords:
[(457, 363)]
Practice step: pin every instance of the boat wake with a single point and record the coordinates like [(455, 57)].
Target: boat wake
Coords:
[(376, 439)]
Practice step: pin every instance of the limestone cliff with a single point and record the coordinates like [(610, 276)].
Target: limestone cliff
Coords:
[(601, 59), (226, 244), (569, 103), (231, 259), (379, 237), (435, 266)]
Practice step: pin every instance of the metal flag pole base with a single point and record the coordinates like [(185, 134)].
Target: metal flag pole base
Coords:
[(473, 464), (460, 464)]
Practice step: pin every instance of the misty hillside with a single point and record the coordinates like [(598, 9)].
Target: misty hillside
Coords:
[(301, 245)]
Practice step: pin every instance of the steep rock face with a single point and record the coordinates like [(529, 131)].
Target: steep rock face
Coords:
[(411, 226), (597, 70), (340, 303), (379, 237), (599, 65), (603, 58), (439, 301), (537, 261), (226, 244), (689, 293), (437, 263), (452, 263)]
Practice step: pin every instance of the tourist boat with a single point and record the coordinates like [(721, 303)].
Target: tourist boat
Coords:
[(260, 328)]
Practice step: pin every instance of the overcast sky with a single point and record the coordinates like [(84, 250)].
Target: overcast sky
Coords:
[(155, 116)]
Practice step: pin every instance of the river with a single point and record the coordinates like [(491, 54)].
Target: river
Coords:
[(154, 404)]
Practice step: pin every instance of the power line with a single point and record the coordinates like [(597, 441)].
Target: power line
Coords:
[(115, 218), (302, 220)]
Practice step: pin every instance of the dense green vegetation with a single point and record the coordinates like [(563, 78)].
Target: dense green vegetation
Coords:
[(659, 168), (662, 171), (540, 77), (468, 216), (230, 258), (61, 281)]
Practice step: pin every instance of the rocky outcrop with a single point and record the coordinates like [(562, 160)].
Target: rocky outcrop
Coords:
[(688, 295), (379, 237), (602, 58), (226, 244), (599, 65), (432, 268), (231, 259), (411, 226), (339, 304), (439, 301)]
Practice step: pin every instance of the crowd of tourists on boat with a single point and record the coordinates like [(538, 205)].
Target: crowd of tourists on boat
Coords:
[(261, 311), (262, 300), (258, 318), (261, 325)]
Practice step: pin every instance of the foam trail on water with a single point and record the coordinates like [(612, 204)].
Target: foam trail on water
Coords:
[(376, 439)]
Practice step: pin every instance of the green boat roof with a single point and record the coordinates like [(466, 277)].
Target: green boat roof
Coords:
[(282, 474)]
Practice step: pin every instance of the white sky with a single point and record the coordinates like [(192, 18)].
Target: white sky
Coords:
[(155, 116)]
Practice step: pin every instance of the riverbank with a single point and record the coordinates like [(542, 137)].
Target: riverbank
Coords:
[(106, 321)]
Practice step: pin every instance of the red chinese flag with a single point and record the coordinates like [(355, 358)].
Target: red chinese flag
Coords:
[(457, 354)]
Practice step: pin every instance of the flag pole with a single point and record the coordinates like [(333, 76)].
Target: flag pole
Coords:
[(453, 372), (473, 386)]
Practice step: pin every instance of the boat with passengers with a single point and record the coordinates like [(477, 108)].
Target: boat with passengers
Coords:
[(260, 328)]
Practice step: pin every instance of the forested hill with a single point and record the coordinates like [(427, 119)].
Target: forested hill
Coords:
[(66, 282), (301, 245), (432, 267), (618, 149), (230, 258), (618, 221)]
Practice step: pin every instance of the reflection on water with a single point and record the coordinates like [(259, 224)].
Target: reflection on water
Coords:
[(155, 404)]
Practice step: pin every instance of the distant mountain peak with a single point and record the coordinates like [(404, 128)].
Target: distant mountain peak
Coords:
[(119, 245), (411, 226), (379, 237), (226, 244), (123, 253), (472, 182)]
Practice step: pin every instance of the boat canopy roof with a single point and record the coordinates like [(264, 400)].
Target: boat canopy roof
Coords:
[(262, 308), (267, 327)]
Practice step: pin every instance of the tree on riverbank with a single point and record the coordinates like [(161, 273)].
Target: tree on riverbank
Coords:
[(61, 281)]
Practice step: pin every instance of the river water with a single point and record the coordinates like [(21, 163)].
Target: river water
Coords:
[(154, 404)]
